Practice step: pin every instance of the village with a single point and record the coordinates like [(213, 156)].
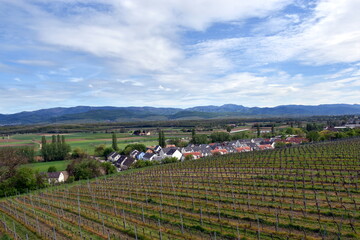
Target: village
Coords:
[(197, 151)]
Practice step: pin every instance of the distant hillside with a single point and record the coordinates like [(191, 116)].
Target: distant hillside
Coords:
[(122, 114)]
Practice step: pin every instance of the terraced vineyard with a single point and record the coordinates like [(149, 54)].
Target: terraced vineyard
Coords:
[(306, 192)]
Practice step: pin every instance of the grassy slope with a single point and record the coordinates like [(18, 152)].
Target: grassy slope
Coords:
[(43, 166)]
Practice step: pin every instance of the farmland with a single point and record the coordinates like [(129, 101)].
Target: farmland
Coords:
[(88, 141), (305, 192), (43, 166)]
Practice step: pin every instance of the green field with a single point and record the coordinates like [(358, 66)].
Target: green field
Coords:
[(304, 192), (88, 141), (43, 166)]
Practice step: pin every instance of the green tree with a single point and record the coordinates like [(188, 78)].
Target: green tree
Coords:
[(107, 151), (258, 132), (162, 141), (52, 169), (134, 146), (220, 137), (169, 160), (99, 150), (228, 129), (200, 139), (114, 142), (108, 167), (78, 153), (43, 141), (313, 136)]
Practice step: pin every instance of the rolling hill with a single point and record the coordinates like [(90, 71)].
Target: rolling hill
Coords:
[(128, 114)]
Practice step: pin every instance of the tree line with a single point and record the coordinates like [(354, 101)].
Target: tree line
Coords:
[(56, 150)]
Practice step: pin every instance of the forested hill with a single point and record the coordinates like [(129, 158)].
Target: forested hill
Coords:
[(87, 114)]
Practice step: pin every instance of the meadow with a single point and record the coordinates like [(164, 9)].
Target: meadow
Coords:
[(304, 192), (88, 141), (43, 166)]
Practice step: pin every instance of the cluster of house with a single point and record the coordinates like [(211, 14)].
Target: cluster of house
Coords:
[(158, 153)]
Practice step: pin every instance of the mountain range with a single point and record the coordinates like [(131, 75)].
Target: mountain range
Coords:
[(87, 114)]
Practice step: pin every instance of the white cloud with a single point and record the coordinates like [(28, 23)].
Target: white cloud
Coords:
[(36, 62), (76, 79), (330, 35)]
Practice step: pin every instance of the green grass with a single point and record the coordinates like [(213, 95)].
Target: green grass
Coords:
[(88, 141), (43, 166)]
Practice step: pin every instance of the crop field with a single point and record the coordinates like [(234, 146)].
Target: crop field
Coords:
[(88, 141), (43, 166), (305, 192)]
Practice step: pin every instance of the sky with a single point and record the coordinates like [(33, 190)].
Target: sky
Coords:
[(178, 53)]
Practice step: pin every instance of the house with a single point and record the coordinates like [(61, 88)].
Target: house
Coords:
[(219, 151), (140, 155), (174, 153), (134, 153), (243, 149), (127, 162), (149, 156), (195, 155), (57, 177), (113, 157), (124, 162), (157, 149), (265, 146)]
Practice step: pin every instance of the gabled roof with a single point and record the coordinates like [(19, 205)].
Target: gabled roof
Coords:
[(113, 154), (171, 151), (53, 174), (129, 161), (121, 159), (193, 153), (148, 155)]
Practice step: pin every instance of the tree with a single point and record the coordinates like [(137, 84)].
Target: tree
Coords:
[(99, 150), (57, 150), (169, 160), (162, 141), (135, 146), (220, 137), (200, 139), (313, 136), (78, 153), (43, 141), (114, 142), (52, 169), (108, 167), (107, 151), (273, 129), (88, 168), (228, 129), (258, 130)]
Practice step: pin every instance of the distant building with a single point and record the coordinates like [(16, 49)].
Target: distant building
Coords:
[(57, 177)]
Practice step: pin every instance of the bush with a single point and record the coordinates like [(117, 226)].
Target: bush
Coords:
[(169, 160), (135, 146), (220, 137), (108, 167), (142, 163), (52, 169), (78, 153), (89, 168)]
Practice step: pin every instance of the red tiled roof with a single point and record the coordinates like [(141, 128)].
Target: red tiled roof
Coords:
[(193, 153), (241, 149)]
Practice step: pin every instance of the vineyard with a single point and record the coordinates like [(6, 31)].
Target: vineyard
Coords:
[(305, 192)]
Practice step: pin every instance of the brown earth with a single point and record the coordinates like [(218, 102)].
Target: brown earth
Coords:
[(9, 140), (17, 145)]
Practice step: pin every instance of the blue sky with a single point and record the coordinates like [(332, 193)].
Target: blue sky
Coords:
[(178, 53)]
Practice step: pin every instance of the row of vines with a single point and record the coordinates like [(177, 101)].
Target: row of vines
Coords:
[(304, 192)]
